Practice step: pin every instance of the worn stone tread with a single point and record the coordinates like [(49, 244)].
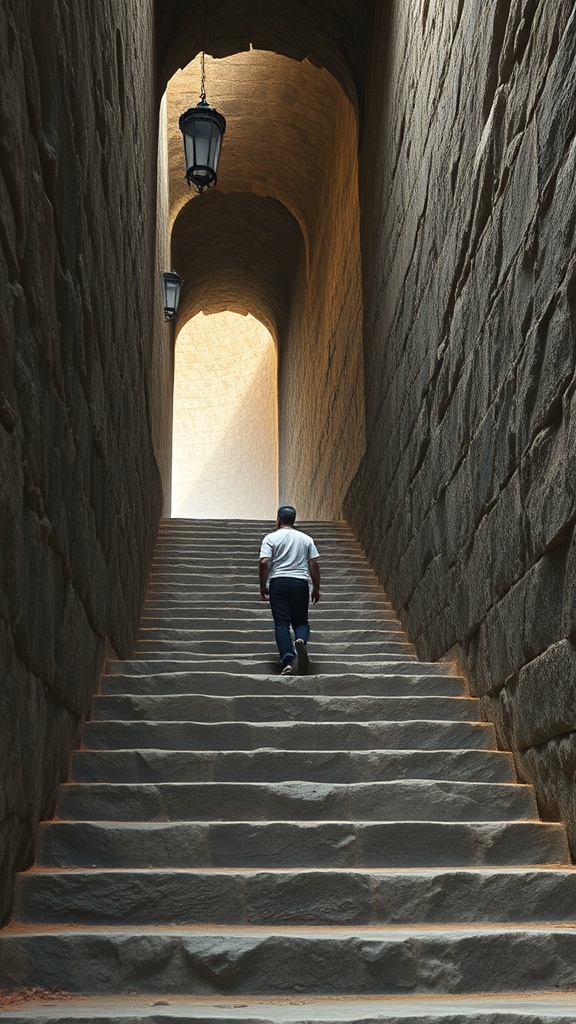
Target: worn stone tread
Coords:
[(325, 961), (147, 896), (415, 735), (227, 684), (206, 707), (413, 800), (271, 765), (505, 1008), (300, 844)]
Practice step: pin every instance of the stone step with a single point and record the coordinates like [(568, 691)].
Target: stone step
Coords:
[(175, 523), (282, 708), (333, 844), (234, 540), (227, 684), (229, 586), (505, 1008), (178, 559), (258, 618), (266, 665), (332, 605), (263, 630), (254, 533), (336, 961), (413, 800), (416, 735), (285, 765), (353, 565), (251, 647), (405, 667), (329, 897)]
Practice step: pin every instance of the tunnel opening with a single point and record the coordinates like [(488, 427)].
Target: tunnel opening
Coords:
[(225, 420)]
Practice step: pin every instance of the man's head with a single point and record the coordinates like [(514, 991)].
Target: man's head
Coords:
[(286, 515)]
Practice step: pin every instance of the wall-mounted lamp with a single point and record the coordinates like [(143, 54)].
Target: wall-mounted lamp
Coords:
[(202, 129), (172, 283)]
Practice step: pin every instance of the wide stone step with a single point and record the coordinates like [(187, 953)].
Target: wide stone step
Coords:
[(335, 566), (224, 589), (263, 630), (281, 708), (413, 800), (335, 961), (227, 684), (285, 765), (251, 647), (397, 668), (259, 618), (332, 605), (505, 1008), (148, 897), (235, 540), (268, 665), (229, 587), (221, 563), (210, 544), (396, 844), (416, 735)]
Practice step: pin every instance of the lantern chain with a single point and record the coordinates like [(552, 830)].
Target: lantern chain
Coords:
[(202, 78)]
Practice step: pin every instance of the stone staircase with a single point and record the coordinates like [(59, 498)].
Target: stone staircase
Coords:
[(234, 845)]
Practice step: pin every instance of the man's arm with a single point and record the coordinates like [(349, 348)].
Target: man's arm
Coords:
[(314, 570), (263, 568)]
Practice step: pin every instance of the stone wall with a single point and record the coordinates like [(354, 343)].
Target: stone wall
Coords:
[(466, 498), (79, 484), (321, 401)]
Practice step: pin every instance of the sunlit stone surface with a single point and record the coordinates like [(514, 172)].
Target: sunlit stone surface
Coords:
[(225, 419)]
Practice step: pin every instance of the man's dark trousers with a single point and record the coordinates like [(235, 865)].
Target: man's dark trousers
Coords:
[(289, 597)]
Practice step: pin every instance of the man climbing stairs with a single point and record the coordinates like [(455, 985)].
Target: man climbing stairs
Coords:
[(238, 845)]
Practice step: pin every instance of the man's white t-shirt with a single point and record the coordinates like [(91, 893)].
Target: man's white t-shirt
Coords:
[(289, 551)]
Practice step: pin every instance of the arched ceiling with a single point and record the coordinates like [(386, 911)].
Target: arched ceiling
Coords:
[(333, 34), (287, 78), (285, 123), (236, 252)]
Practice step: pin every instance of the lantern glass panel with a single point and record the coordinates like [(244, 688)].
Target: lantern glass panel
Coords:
[(202, 129), (203, 138), (172, 286)]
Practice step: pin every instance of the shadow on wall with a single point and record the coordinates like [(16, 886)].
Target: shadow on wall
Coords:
[(225, 437)]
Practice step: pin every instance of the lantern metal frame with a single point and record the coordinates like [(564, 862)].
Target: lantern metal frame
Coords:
[(213, 125), (171, 281)]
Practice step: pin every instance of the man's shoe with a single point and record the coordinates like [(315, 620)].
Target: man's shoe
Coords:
[(302, 657), (288, 669)]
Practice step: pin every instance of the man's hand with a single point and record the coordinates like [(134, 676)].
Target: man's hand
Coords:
[(315, 595), (263, 574)]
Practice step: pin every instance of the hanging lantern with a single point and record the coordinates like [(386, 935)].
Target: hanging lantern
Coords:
[(172, 283), (202, 129)]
